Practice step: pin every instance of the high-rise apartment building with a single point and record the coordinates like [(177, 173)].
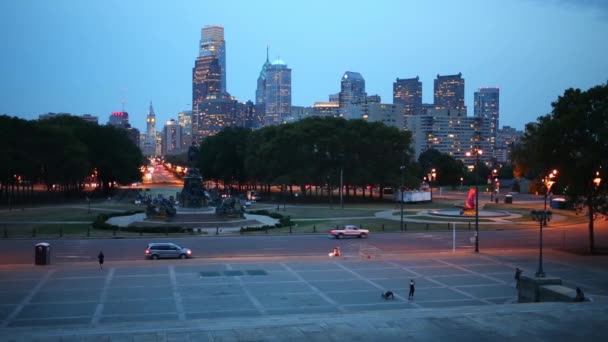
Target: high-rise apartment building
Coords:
[(277, 93), (208, 74), (352, 91), (408, 92), (449, 92), (487, 109)]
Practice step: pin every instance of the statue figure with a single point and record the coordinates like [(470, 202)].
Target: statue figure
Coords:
[(192, 155), (160, 208), (230, 207), (193, 195)]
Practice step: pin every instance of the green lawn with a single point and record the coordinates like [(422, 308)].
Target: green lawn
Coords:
[(319, 218)]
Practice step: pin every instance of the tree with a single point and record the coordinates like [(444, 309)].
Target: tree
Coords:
[(573, 139), (448, 169)]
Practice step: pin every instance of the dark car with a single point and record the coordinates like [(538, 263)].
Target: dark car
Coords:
[(166, 250)]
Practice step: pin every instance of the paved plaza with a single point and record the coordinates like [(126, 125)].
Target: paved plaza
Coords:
[(323, 299)]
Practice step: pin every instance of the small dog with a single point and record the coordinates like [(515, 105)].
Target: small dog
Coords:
[(387, 295)]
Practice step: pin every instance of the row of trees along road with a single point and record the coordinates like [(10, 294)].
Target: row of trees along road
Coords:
[(62, 152), (572, 139), (310, 151), (316, 151)]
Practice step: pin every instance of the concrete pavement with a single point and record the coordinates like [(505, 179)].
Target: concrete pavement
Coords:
[(458, 296)]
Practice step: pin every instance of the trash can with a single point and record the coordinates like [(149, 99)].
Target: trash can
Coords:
[(43, 253), (508, 199)]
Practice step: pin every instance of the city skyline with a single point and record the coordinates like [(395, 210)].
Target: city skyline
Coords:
[(87, 58)]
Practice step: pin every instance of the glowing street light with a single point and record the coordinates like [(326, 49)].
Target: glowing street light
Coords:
[(543, 217)]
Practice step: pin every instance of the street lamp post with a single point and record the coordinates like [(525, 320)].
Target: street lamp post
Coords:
[(432, 178), (402, 168), (468, 154), (542, 216)]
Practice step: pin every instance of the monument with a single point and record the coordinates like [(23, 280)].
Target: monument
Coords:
[(193, 194)]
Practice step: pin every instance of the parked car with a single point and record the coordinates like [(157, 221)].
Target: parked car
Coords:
[(166, 250), (349, 230)]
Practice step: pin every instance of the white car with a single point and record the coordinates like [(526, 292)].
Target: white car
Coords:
[(349, 230)]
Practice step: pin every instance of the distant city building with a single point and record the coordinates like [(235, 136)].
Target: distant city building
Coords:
[(408, 92), (171, 140), (445, 130), (326, 109), (352, 90), (487, 109), (389, 114), (260, 91), (449, 92), (208, 74), (334, 97), (246, 115), (426, 107), (119, 119), (184, 119), (299, 112), (149, 146), (217, 112), (506, 138), (90, 118), (277, 93)]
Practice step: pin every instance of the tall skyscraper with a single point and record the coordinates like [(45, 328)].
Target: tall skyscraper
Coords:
[(408, 92), (449, 92), (208, 74), (487, 109), (213, 44), (352, 90), (260, 91), (277, 94)]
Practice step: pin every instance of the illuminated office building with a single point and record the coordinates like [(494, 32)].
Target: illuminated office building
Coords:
[(352, 91), (408, 93), (487, 109), (217, 112), (208, 74), (277, 93)]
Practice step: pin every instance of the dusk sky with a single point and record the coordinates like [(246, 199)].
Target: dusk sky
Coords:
[(81, 56)]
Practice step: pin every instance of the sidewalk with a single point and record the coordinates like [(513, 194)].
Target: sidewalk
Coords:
[(459, 297)]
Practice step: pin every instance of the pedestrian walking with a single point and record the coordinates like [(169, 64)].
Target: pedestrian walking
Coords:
[(100, 257), (517, 276), (412, 288)]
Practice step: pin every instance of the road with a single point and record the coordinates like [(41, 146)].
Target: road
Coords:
[(377, 244)]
